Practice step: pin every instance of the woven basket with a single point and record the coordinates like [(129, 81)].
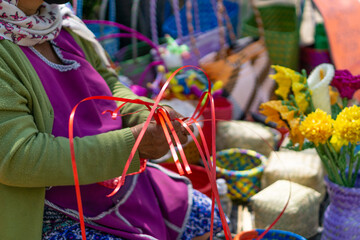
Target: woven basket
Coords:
[(272, 234), (301, 215), (246, 135), (303, 167), (110, 45), (207, 18), (242, 170), (281, 33)]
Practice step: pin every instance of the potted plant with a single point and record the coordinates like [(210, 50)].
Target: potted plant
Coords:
[(319, 116)]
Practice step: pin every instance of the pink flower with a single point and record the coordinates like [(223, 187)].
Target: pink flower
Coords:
[(346, 83)]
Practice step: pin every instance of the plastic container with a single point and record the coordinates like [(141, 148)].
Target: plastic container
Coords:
[(272, 234), (223, 111), (225, 201)]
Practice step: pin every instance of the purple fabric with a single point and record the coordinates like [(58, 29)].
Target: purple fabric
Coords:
[(147, 202), (66, 89), (342, 216), (139, 208)]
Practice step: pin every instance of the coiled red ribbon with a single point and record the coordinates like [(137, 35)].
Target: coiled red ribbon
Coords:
[(163, 118)]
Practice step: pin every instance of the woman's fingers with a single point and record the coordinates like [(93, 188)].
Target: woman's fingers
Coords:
[(154, 143)]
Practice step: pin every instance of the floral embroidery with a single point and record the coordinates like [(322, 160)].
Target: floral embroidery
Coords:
[(29, 30)]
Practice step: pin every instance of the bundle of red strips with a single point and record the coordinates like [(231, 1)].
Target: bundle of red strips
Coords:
[(162, 118)]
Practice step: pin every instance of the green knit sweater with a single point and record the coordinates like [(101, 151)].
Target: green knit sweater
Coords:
[(31, 158)]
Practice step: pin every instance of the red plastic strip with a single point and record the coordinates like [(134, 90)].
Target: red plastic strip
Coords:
[(212, 179), (171, 145), (72, 151), (162, 118), (146, 124), (76, 176), (176, 138), (278, 217)]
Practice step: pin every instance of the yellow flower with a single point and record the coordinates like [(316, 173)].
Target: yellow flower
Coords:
[(278, 112), (283, 78), (272, 111), (298, 86), (295, 134), (347, 124), (337, 142), (317, 127), (301, 92), (301, 101)]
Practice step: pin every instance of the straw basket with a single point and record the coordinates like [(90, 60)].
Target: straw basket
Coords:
[(242, 170)]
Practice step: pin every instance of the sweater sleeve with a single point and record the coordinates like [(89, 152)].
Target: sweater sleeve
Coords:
[(29, 155)]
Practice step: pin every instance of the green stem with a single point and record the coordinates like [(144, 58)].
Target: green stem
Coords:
[(342, 167), (336, 160), (356, 168), (324, 161), (328, 162), (351, 163), (355, 173), (344, 102)]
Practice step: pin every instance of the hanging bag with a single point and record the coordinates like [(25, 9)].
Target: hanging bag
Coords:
[(138, 89), (110, 45), (135, 59), (243, 69), (204, 17), (281, 31), (196, 27)]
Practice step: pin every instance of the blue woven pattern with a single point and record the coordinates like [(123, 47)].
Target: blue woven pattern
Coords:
[(242, 170), (280, 235), (342, 216), (207, 18), (111, 45)]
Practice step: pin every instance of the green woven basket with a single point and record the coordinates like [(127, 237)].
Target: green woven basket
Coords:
[(133, 68), (281, 33), (242, 170)]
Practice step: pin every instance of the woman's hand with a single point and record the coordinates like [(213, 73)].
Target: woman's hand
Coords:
[(154, 143)]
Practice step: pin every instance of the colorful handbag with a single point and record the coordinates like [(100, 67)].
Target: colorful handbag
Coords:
[(135, 60), (194, 29), (243, 69), (204, 20), (110, 45), (281, 29)]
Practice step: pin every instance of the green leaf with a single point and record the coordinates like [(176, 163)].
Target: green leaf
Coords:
[(296, 147), (335, 110)]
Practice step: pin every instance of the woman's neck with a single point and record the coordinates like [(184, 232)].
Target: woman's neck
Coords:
[(29, 7)]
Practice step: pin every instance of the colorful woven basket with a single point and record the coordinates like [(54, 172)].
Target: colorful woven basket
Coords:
[(206, 16), (242, 170), (272, 234), (281, 33)]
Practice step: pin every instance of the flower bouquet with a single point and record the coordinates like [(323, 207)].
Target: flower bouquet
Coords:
[(318, 113), (318, 116)]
